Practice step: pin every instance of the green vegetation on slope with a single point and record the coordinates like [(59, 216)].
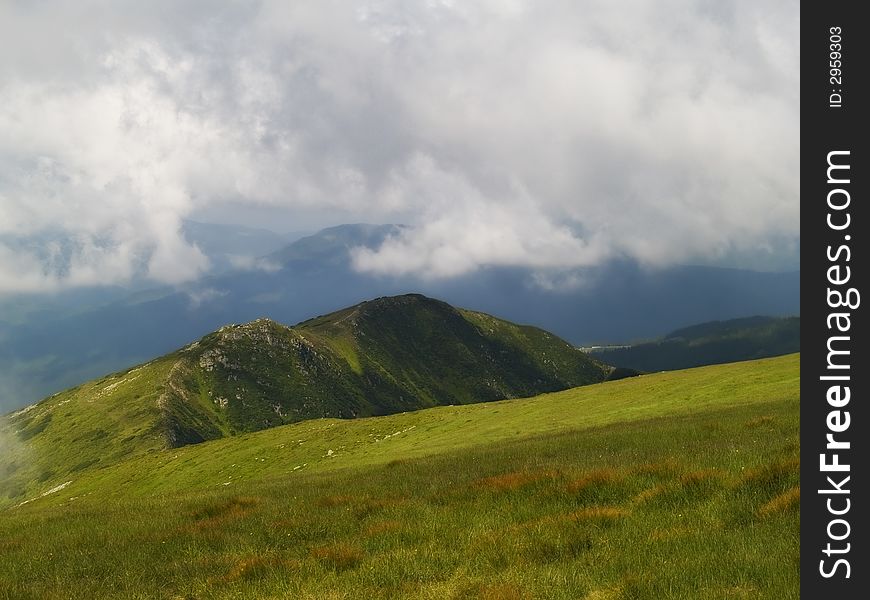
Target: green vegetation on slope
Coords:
[(674, 485), (93, 425), (709, 343), (380, 357), (385, 356)]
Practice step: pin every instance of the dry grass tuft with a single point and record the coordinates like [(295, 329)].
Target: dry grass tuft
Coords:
[(653, 492), (382, 527), (788, 500), (700, 478), (217, 514), (288, 523), (515, 480), (370, 506), (593, 479), (688, 488), (340, 556), (772, 472), (592, 514), (597, 514), (332, 501)]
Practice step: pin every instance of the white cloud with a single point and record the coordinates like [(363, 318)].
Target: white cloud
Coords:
[(251, 263), (199, 297), (549, 134), (463, 229)]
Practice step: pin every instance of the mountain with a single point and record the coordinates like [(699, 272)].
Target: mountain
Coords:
[(231, 246), (616, 302), (330, 246), (379, 357), (627, 489), (707, 344)]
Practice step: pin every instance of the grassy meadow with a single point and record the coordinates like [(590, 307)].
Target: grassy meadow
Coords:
[(673, 485)]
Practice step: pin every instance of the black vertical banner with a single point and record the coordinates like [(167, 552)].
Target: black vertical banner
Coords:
[(835, 422)]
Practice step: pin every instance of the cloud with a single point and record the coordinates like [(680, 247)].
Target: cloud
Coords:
[(201, 296), (14, 455), (456, 238), (547, 134), (251, 263)]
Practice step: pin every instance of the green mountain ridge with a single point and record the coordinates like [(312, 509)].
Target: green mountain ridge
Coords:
[(385, 356), (713, 342)]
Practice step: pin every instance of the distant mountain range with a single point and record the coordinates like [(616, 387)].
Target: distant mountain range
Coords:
[(44, 351), (709, 343), (234, 246)]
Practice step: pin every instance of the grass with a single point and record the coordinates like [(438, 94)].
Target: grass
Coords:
[(384, 356), (96, 424), (675, 485)]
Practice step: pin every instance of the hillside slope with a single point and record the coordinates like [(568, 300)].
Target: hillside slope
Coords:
[(673, 485), (384, 356), (323, 445), (618, 301), (710, 343)]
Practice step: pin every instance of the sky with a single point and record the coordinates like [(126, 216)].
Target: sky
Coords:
[(545, 134)]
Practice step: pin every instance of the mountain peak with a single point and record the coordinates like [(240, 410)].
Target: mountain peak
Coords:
[(387, 355), (331, 245), (403, 302)]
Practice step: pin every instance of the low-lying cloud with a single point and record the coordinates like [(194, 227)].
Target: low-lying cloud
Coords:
[(545, 134), (253, 263)]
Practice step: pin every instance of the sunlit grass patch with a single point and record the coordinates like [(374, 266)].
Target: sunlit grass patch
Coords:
[(603, 515), (788, 500)]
